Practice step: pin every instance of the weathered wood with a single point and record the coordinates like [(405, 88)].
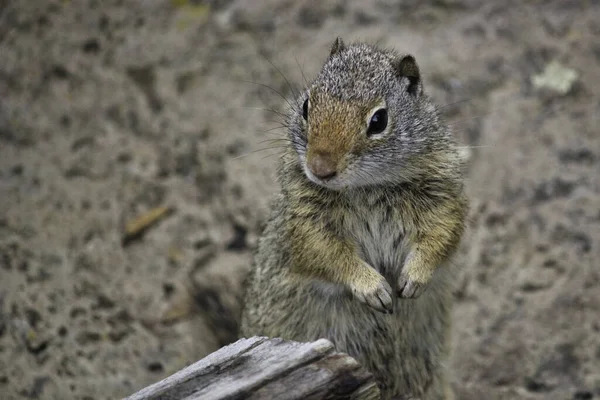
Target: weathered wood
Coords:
[(261, 368)]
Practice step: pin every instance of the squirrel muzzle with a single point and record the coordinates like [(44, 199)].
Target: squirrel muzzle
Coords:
[(322, 165), (333, 127)]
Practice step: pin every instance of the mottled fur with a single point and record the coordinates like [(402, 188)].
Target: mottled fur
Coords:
[(339, 255)]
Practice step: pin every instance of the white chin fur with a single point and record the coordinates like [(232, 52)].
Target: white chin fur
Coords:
[(333, 184)]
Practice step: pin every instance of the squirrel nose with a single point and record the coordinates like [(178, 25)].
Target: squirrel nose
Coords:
[(322, 166)]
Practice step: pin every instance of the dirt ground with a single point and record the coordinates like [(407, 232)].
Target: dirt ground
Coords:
[(109, 109)]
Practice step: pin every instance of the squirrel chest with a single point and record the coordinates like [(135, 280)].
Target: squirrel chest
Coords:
[(376, 227)]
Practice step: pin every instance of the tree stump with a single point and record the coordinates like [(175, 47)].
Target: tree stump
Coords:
[(261, 368)]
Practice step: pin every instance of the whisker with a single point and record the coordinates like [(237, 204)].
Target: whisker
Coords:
[(282, 75), (453, 103), (274, 135), (273, 89), (285, 140), (278, 123), (475, 147), (275, 128), (257, 151), (283, 115), (273, 155), (301, 70), (470, 119)]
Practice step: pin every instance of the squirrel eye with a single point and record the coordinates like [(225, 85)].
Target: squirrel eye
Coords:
[(305, 110), (378, 122)]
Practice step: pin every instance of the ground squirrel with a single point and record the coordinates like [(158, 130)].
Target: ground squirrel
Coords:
[(371, 208)]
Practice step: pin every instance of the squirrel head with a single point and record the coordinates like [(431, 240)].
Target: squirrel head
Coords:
[(365, 120)]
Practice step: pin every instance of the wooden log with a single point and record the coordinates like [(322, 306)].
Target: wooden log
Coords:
[(261, 368)]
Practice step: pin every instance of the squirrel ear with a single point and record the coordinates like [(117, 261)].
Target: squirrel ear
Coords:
[(337, 46), (406, 67)]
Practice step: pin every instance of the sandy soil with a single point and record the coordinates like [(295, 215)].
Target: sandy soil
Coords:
[(111, 108)]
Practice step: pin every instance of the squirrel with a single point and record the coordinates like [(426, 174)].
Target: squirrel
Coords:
[(358, 245)]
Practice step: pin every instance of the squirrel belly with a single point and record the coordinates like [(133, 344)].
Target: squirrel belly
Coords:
[(358, 243)]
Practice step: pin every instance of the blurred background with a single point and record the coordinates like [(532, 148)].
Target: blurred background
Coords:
[(134, 180)]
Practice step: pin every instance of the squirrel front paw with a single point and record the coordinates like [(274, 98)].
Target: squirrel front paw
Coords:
[(414, 277), (409, 288), (373, 290)]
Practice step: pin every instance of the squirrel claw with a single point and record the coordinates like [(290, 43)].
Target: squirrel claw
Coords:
[(380, 298), (410, 289)]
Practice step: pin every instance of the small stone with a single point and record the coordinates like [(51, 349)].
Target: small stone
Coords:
[(238, 242), (87, 337), (37, 388), (556, 77), (155, 366), (36, 342), (33, 317), (60, 72), (17, 169), (583, 395), (536, 280), (535, 385), (118, 335), (91, 46), (104, 302), (62, 331), (363, 18), (168, 289), (312, 16), (124, 157)]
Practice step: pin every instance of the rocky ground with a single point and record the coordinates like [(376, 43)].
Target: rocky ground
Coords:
[(109, 109)]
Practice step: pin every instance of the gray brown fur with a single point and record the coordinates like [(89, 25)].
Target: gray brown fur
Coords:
[(363, 258)]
